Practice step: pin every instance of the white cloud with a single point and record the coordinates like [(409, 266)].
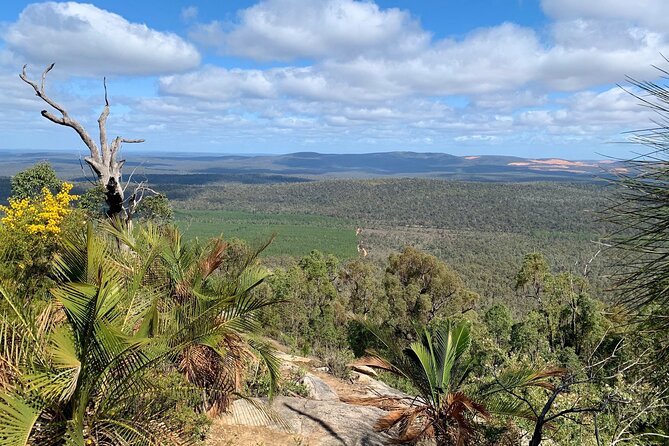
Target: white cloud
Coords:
[(487, 60), (215, 83), (86, 40), (189, 13), (447, 68), (475, 138), (650, 13), (376, 54), (291, 29)]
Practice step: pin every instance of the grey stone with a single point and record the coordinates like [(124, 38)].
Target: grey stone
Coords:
[(318, 389), (340, 424)]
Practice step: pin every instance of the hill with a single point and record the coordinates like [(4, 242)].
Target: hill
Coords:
[(207, 169)]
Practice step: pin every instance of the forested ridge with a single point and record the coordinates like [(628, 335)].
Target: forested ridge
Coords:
[(507, 207)]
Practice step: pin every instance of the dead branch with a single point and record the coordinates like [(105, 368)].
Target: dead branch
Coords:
[(65, 118), (103, 158), (138, 195)]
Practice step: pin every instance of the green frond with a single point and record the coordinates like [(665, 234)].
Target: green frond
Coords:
[(267, 354), (65, 360), (425, 359), (17, 419), (505, 405), (516, 378)]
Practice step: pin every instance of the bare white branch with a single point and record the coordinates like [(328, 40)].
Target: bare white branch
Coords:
[(103, 159)]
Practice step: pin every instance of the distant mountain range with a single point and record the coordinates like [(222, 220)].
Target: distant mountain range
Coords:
[(311, 165)]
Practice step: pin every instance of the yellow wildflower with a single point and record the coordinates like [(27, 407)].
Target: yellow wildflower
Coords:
[(42, 216)]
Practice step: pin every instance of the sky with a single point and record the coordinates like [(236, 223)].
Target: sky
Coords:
[(528, 78)]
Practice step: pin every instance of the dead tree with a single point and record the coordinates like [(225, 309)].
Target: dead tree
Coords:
[(103, 160)]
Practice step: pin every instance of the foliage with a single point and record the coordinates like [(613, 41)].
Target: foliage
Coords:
[(338, 361), (259, 383), (30, 183), (79, 378), (499, 322), (128, 308), (640, 213), (31, 231), (42, 216), (420, 287), (362, 286), (571, 318), (156, 208), (555, 219), (435, 365), (208, 321), (314, 319), (92, 201)]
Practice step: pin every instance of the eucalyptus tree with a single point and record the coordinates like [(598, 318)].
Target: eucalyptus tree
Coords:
[(103, 159), (420, 287)]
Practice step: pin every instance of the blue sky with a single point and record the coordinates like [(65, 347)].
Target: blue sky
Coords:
[(516, 77)]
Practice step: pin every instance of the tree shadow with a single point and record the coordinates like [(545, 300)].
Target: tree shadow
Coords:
[(365, 440), (322, 423)]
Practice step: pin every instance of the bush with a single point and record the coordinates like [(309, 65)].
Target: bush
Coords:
[(178, 402), (258, 383), (337, 361)]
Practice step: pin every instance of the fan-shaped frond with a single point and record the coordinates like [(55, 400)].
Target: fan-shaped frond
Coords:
[(17, 418)]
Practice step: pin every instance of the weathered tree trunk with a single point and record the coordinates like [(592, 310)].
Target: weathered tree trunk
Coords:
[(103, 159)]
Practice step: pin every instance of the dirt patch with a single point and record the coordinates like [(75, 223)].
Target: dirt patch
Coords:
[(226, 435)]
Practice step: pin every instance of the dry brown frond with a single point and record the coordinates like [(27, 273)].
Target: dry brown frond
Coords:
[(375, 362), (214, 258), (182, 291), (218, 371), (388, 421), (539, 378), (458, 401)]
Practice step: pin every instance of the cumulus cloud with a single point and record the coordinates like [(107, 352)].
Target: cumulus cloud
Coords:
[(445, 69), (290, 29), (87, 40), (649, 13), (506, 77), (362, 52), (215, 83)]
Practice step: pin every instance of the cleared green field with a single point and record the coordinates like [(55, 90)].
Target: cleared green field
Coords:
[(296, 234)]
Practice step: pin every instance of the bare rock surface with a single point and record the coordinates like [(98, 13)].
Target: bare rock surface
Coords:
[(375, 388), (318, 423), (318, 389), (322, 419)]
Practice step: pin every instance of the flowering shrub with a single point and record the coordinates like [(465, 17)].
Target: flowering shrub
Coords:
[(31, 232), (43, 216)]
